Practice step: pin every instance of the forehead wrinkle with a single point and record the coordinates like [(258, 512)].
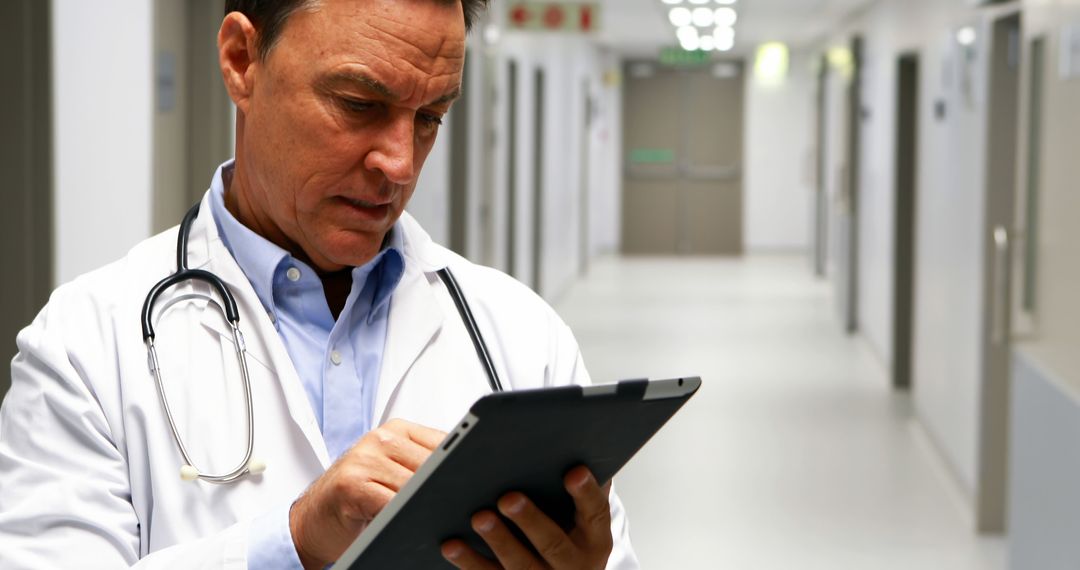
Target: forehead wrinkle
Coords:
[(398, 31), (404, 68), (358, 78)]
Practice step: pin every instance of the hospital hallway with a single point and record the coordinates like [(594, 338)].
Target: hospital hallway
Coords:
[(855, 220), (795, 453)]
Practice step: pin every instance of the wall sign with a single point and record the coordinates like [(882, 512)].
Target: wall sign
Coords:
[(554, 16), (679, 57), (1070, 51)]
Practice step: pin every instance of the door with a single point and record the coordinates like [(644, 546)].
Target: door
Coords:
[(539, 107), (1002, 148), (26, 162), (907, 152), (821, 201), (512, 169), (193, 120), (460, 122), (584, 243), (683, 133), (845, 209)]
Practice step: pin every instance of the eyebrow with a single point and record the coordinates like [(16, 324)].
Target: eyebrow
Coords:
[(378, 87)]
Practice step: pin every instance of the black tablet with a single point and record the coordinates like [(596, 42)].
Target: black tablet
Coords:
[(514, 441)]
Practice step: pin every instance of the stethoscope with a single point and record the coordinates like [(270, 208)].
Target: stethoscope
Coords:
[(249, 466)]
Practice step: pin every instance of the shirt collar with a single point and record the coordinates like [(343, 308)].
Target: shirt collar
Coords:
[(387, 267), (260, 259)]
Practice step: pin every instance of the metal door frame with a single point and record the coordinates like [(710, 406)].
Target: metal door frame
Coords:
[(906, 203), (539, 109), (512, 78), (851, 184), (458, 211), (991, 493), (821, 205), (26, 159)]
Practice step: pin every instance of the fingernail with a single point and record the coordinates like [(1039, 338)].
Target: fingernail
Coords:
[(515, 504), (452, 552), (485, 522), (581, 479)]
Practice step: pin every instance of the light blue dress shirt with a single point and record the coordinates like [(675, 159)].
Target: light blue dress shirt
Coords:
[(338, 362)]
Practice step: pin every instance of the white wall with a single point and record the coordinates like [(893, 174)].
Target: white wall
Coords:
[(949, 214), (103, 95), (606, 168), (430, 203), (778, 190), (567, 62)]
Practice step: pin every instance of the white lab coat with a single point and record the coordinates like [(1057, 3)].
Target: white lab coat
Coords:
[(89, 469)]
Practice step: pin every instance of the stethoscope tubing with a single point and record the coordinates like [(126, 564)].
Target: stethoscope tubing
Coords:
[(229, 307)]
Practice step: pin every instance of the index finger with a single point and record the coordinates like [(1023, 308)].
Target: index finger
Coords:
[(429, 438)]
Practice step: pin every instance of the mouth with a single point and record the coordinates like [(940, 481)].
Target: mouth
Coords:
[(366, 209)]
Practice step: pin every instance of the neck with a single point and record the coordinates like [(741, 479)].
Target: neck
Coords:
[(336, 282)]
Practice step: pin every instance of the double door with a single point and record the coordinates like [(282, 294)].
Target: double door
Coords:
[(683, 145)]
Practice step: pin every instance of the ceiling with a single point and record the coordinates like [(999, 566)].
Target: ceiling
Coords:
[(642, 27)]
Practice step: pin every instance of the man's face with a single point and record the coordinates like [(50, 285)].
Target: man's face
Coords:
[(342, 114)]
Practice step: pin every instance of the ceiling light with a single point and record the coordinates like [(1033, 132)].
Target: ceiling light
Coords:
[(725, 17), (690, 43), (491, 34), (672, 2), (703, 17), (699, 1), (686, 32), (708, 43), (771, 64), (724, 38), (680, 17), (725, 2), (967, 36), (688, 38)]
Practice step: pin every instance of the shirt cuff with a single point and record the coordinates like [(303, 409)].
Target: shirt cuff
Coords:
[(270, 543)]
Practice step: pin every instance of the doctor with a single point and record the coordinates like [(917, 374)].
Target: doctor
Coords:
[(357, 358)]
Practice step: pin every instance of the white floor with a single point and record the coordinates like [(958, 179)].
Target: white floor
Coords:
[(795, 454)]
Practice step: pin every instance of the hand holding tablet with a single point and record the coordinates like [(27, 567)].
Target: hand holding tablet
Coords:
[(587, 545), (527, 444)]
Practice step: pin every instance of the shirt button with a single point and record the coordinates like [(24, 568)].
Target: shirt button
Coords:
[(335, 357), (293, 274)]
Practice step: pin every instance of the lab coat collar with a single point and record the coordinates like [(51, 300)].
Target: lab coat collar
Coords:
[(263, 343)]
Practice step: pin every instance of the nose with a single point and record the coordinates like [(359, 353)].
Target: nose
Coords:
[(393, 152)]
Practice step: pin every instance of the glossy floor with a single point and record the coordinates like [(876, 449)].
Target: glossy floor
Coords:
[(795, 454)]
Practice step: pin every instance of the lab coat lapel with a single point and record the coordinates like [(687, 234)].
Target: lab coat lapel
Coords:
[(263, 343), (415, 318)]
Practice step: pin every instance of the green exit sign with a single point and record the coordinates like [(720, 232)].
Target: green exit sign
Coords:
[(680, 57)]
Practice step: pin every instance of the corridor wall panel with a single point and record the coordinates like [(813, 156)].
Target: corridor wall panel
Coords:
[(948, 273), (1044, 517), (777, 201), (103, 114)]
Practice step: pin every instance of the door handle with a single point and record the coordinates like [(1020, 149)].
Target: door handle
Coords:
[(1001, 286)]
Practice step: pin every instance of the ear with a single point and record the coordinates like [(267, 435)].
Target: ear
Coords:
[(238, 57)]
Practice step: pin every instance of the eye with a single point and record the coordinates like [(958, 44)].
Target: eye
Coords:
[(355, 105), (430, 119)]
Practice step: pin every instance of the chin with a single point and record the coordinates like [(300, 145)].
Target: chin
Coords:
[(354, 250)]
